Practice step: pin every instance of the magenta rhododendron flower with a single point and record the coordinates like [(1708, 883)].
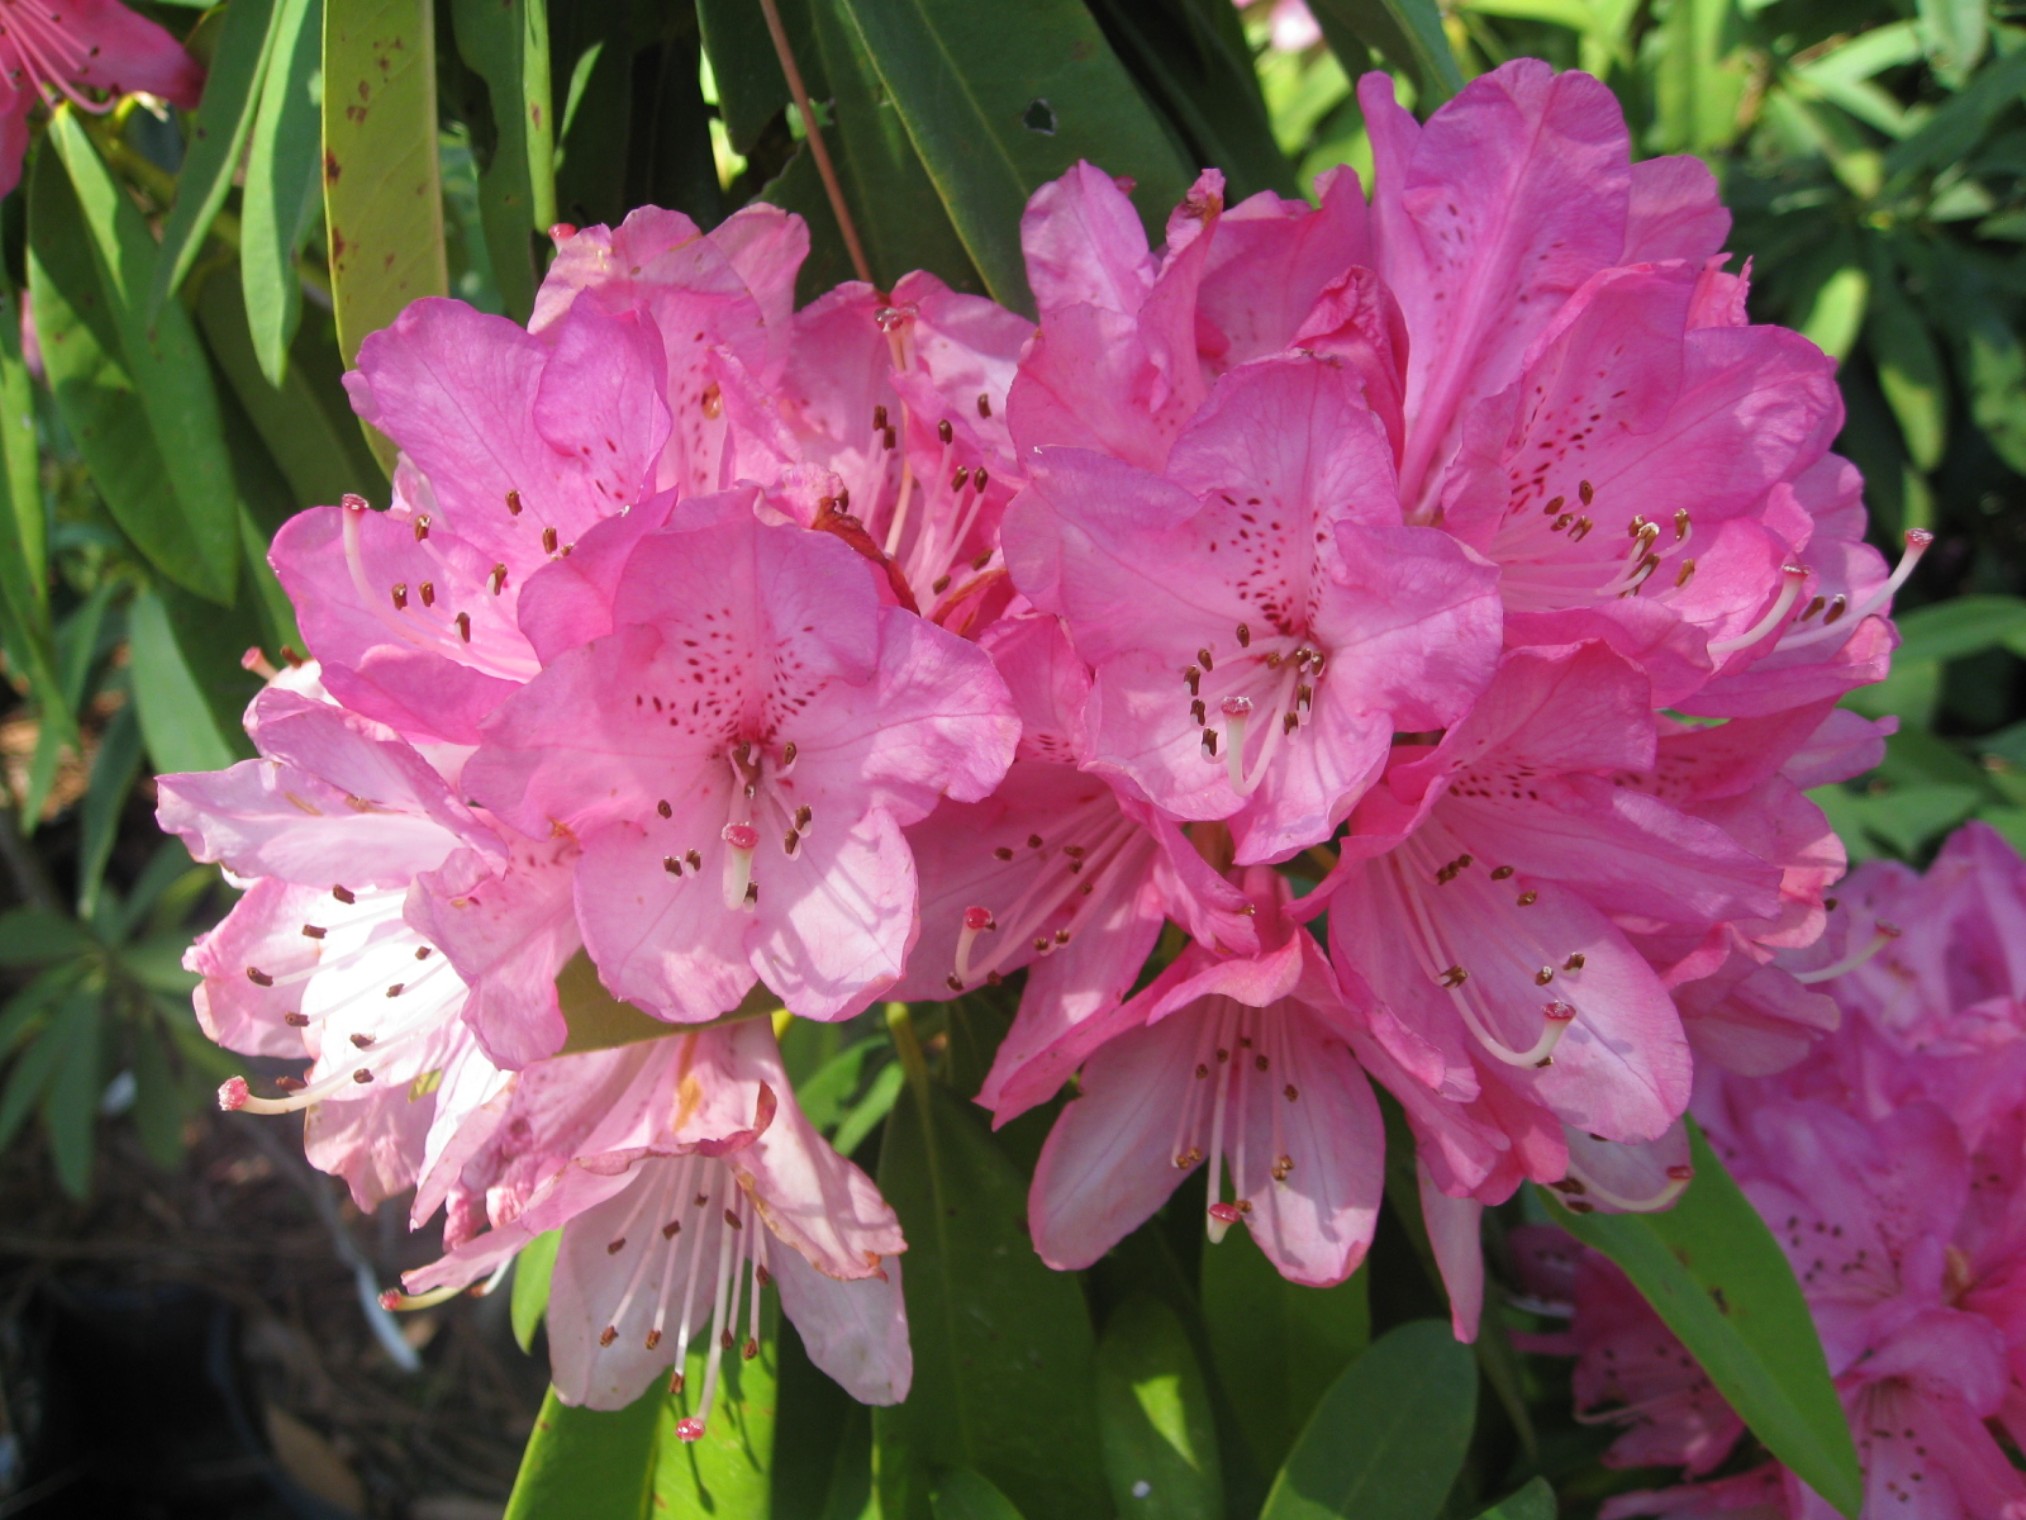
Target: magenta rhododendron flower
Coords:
[(87, 52), (1887, 1164), (684, 1180)]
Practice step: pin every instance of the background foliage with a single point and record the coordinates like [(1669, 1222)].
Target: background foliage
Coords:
[(197, 285)]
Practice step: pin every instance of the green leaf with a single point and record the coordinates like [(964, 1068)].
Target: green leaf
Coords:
[(751, 87), (383, 203), (1909, 371), (303, 422), (1409, 33), (24, 592), (70, 1103), (966, 1495), (506, 43), (283, 177), (135, 395), (36, 936), (1276, 1347), (158, 1101), (532, 1270), (1991, 365), (1837, 291), (1209, 90), (1153, 1411), (590, 1464), (187, 711), (998, 101), (113, 773), (232, 91), (1699, 76), (1961, 626), (1534, 1502), (79, 639), (1002, 1345), (1954, 34), (1388, 1439), (1712, 1271), (729, 1469), (869, 1111), (19, 1015), (30, 1075), (894, 204)]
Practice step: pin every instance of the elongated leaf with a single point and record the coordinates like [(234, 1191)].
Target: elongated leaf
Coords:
[(232, 90), (70, 1103), (1002, 1345), (34, 936), (306, 428), (24, 594), (894, 204), (1961, 626), (158, 1103), (1388, 1438), (282, 178), (532, 1270), (187, 715), (113, 773), (965, 1495), (383, 203), (1699, 76), (1153, 1410), (588, 1464), (1534, 1502), (999, 100), (506, 43), (1714, 1273), (1409, 33), (1209, 90), (29, 1077), (136, 395), (1277, 1348), (1909, 372), (751, 87)]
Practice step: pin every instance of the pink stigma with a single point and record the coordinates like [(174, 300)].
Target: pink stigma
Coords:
[(690, 1429), (562, 232), (977, 920), (232, 1095), (391, 1299), (1225, 1213), (741, 836)]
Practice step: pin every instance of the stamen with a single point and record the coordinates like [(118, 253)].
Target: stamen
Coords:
[(1886, 934), (1918, 541), (1790, 591)]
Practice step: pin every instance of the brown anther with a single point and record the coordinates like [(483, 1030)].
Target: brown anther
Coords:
[(1501, 873), (1837, 607), (791, 842), (1289, 722), (1283, 1166), (395, 990), (1813, 607), (1198, 713), (549, 540), (653, 1339), (732, 1219), (1685, 573), (1543, 976), (1574, 962), (939, 585), (751, 1349), (984, 405), (1203, 659), (752, 892), (803, 815), (1194, 677), (1455, 976), (614, 1247), (1244, 637), (712, 401), (1585, 492), (1528, 898), (421, 527), (496, 582), (1554, 505), (890, 438), (362, 1076), (664, 809), (513, 501), (671, 865), (1681, 521), (788, 753), (362, 1041), (1291, 1093), (1210, 743), (313, 931), (954, 982), (1033, 841), (296, 1020), (980, 479), (343, 896), (258, 977), (961, 479), (675, 1381), (693, 860), (400, 595), (608, 1335), (428, 593), (762, 1276), (879, 418), (944, 432), (464, 626)]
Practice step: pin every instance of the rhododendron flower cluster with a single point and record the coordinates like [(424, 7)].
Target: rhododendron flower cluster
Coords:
[(1888, 1164), (1422, 615)]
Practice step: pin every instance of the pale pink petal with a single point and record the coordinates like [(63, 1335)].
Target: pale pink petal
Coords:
[(856, 1331), (1453, 1226)]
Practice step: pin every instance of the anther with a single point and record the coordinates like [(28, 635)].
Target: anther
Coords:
[(296, 1020), (1454, 976), (258, 977), (1203, 659), (400, 595), (343, 896), (944, 432), (464, 627), (984, 405), (549, 540), (879, 418), (496, 582), (1585, 492), (513, 503), (421, 527), (664, 809), (1244, 637), (1528, 898), (313, 931), (362, 1041)]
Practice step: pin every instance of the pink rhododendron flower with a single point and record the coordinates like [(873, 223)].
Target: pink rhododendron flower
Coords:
[(1239, 1061), (685, 1181), (1888, 1164), (1259, 620), (329, 829), (82, 51), (738, 755)]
